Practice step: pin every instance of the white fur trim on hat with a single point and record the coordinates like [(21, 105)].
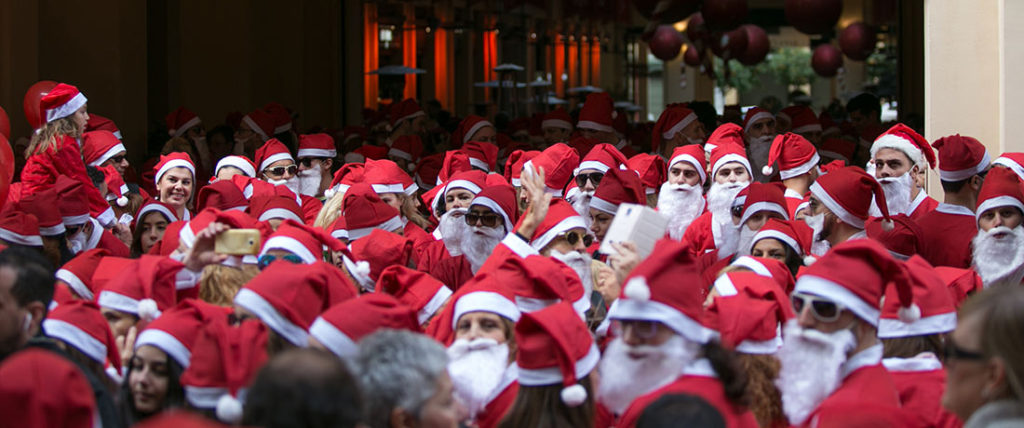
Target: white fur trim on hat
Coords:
[(390, 225), (686, 157), (434, 304), (167, 343), (752, 264), (76, 337), (75, 283), (775, 234), (964, 174), (518, 246), (113, 151), (837, 293), (731, 157), (401, 154), (479, 163), (553, 375), (17, 238), (830, 203), (290, 245), (686, 121), (768, 346), (801, 169), (757, 116), (67, 109), (253, 302), (757, 207), (317, 153), (811, 127), (895, 142), (650, 310), (75, 220), (996, 202), (274, 158), (333, 338), (556, 123), (603, 205), (935, 324), (725, 286), (1009, 163), (485, 301), (473, 130), (181, 130), (588, 124), (117, 301), (54, 230), (255, 128), (567, 224), (591, 164), (237, 162), (279, 213), (175, 163)]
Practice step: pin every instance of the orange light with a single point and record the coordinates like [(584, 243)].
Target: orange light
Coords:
[(409, 49), (370, 54), (595, 62), (559, 66)]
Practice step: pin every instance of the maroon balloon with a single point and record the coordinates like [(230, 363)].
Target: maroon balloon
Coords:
[(729, 45), (858, 41), (670, 11), (696, 29), (666, 42), (826, 60), (6, 162), (724, 15), (813, 16), (757, 45), (692, 56), (31, 102), (5, 123)]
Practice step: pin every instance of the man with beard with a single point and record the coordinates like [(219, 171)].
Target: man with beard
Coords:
[(557, 126), (618, 187), (798, 167), (661, 347), (759, 132), (316, 157), (277, 166), (900, 157), (998, 248), (681, 198), (451, 203), (676, 127), (596, 120), (731, 173), (598, 161), (490, 217), (839, 206), (831, 356), (947, 232)]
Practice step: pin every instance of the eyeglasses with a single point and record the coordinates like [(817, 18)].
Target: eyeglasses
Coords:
[(72, 230), (266, 259), (487, 220), (642, 329), (823, 309), (737, 211), (594, 177), (954, 352), (574, 237), (117, 159), (307, 162), (278, 171)]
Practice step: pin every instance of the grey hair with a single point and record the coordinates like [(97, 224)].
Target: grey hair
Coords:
[(398, 369)]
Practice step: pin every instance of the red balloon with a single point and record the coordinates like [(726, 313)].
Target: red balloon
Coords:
[(670, 11), (858, 41), (5, 186), (6, 159), (696, 29), (729, 45), (5, 123), (813, 16), (757, 45), (692, 56), (724, 15), (826, 60), (31, 102), (666, 43)]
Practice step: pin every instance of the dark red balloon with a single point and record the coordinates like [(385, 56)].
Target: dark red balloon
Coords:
[(858, 41), (6, 161), (31, 102), (671, 11), (826, 60), (729, 45), (724, 15), (692, 56), (757, 45), (666, 43), (813, 16), (5, 123), (696, 29)]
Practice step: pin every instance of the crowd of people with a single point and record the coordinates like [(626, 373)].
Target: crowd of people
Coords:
[(422, 270)]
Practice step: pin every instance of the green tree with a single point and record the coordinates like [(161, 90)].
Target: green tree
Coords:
[(737, 76), (791, 66)]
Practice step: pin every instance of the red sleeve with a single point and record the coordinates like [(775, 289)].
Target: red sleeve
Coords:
[(41, 171), (110, 243)]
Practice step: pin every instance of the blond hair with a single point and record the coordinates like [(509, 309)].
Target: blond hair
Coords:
[(329, 212), (46, 137), (219, 283)]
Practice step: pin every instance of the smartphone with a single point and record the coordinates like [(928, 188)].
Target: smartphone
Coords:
[(238, 242)]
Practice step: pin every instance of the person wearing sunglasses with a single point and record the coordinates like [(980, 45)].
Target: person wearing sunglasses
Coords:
[(103, 148), (316, 158), (276, 165), (489, 219), (985, 360), (619, 187)]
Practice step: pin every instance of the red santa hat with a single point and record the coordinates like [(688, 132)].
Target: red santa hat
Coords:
[(187, 235), (427, 170), (726, 133), (177, 330), (344, 177), (77, 273), (557, 118), (901, 239), (768, 268), (960, 157), (724, 153), (561, 218), (316, 146), (795, 155), (338, 230), (900, 137), (281, 116), (382, 249), (838, 149), (144, 288), (554, 347), (385, 176), (72, 201), (261, 122), (617, 187), (368, 151), (341, 327), (788, 112), (763, 197), (287, 298), (652, 170), (408, 147), (672, 121), (938, 314), (406, 109), (467, 128), (1002, 188), (117, 190), (222, 195), (20, 228), (794, 234), (482, 293), (100, 146), (755, 114), (364, 211), (100, 123), (558, 163), (539, 281), (803, 120), (271, 151), (598, 113), (279, 206), (42, 389), (514, 165), (666, 287), (502, 200), (748, 312), (848, 193), (482, 155), (473, 180), (225, 361), (861, 294), (180, 121), (242, 163), (80, 324), (173, 160), (41, 204), (417, 290), (62, 101), (306, 242), (455, 161), (602, 157), (1012, 160), (961, 283), (692, 154)]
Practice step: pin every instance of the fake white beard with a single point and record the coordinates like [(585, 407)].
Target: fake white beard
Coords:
[(746, 241), (580, 263), (309, 180), (897, 195), (291, 183), (479, 244), (999, 260), (720, 197), (476, 369), (757, 153), (78, 242), (454, 230), (581, 203), (811, 367), (681, 204), (728, 237), (817, 223), (624, 378)]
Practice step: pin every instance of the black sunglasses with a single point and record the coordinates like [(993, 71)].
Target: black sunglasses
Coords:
[(278, 171), (307, 162), (574, 237), (487, 220), (594, 177), (117, 159), (954, 352)]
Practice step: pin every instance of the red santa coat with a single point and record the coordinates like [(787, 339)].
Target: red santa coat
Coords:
[(698, 379), (495, 410), (920, 382), (102, 238), (452, 271), (310, 208), (41, 171), (865, 381), (922, 204), (701, 235), (793, 201), (946, 236)]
